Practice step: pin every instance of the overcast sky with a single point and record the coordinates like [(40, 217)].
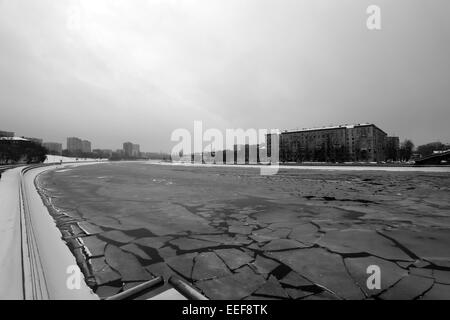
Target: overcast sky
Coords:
[(111, 71)]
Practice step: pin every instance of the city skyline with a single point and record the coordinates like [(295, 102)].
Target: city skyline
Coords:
[(122, 144)]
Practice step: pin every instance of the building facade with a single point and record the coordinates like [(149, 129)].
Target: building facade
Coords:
[(6, 134), (53, 147), (131, 150), (361, 142), (366, 142), (86, 146), (78, 146), (74, 144)]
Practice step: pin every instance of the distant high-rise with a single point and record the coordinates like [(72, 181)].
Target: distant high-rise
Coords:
[(131, 149), (85, 146), (127, 147), (53, 147), (74, 144), (136, 150), (6, 134)]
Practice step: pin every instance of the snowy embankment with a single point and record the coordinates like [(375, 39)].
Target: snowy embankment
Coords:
[(34, 262), (10, 235), (59, 159)]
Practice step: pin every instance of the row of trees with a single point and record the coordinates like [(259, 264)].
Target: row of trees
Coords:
[(407, 150), (429, 148), (12, 152), (67, 153)]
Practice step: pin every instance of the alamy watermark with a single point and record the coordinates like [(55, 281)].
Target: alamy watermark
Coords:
[(74, 277), (373, 21), (234, 146), (374, 280)]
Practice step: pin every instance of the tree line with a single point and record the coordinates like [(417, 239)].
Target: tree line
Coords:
[(407, 150), (12, 152)]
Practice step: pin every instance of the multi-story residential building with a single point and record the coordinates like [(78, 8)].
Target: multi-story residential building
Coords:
[(86, 146), (366, 142), (127, 149), (34, 140), (74, 144), (53, 147), (131, 150), (6, 134), (136, 152), (360, 142)]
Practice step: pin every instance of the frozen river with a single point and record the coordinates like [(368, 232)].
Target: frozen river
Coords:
[(234, 234)]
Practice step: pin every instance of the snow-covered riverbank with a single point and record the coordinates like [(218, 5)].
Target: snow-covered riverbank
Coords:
[(59, 159), (10, 236), (34, 262)]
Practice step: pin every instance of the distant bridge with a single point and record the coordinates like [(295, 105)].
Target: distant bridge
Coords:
[(435, 158)]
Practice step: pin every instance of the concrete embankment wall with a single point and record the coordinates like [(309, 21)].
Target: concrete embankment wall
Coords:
[(34, 261), (10, 236)]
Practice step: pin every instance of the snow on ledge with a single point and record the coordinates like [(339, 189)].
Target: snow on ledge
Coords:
[(58, 159)]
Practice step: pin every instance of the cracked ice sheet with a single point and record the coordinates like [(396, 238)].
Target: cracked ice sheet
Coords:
[(103, 273), (192, 244), (272, 288), (432, 246), (306, 233), (408, 288), (126, 264), (390, 273), (294, 280), (438, 292), (207, 266), (323, 268), (95, 247), (235, 286), (182, 264), (272, 234), (160, 269), (89, 228), (153, 242), (107, 291), (263, 265), (220, 238), (283, 244), (287, 209), (134, 249), (233, 258), (359, 240), (117, 236)]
